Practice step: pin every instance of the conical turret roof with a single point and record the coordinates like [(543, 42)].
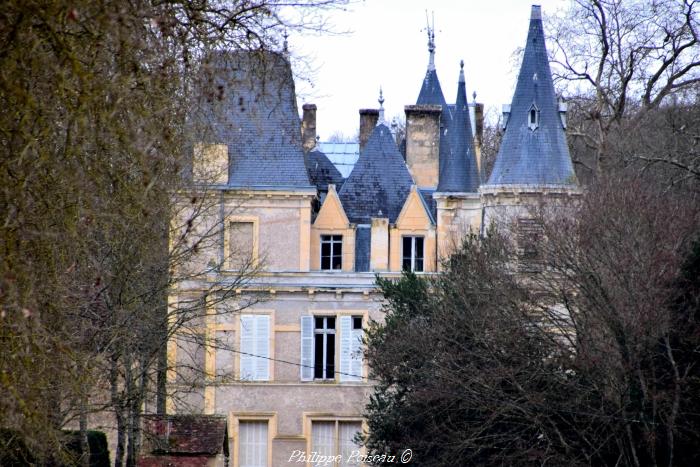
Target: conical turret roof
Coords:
[(534, 149), (458, 169)]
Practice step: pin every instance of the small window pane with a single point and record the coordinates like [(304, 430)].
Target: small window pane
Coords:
[(419, 247), (418, 265), (319, 322), (407, 248), (331, 322), (318, 355), (357, 322), (330, 356)]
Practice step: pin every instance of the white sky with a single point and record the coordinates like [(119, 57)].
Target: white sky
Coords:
[(388, 47)]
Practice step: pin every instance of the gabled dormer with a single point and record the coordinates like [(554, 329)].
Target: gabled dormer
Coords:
[(413, 236), (332, 237)]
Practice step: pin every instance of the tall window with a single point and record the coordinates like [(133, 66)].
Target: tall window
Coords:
[(336, 438), (240, 244), (324, 347), (252, 443), (413, 252), (331, 252), (320, 341), (255, 347)]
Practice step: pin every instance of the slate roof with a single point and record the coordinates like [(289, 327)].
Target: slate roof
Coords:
[(379, 183), (322, 171), (458, 168), (540, 156), (250, 105), (431, 91), (431, 94)]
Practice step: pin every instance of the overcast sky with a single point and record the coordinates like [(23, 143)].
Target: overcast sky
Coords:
[(388, 47)]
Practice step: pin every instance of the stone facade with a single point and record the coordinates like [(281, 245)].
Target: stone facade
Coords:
[(279, 350)]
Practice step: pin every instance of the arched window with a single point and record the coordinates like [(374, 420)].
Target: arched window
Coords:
[(533, 117)]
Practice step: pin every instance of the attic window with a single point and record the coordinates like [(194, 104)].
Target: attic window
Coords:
[(533, 117)]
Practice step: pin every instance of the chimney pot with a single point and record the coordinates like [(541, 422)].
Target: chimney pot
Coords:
[(368, 120), (308, 127)]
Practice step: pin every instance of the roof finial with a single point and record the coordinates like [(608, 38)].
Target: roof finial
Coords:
[(431, 40), (381, 106), (461, 71), (474, 96)]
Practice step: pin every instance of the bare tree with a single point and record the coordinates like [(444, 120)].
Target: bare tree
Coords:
[(96, 133), (622, 60)]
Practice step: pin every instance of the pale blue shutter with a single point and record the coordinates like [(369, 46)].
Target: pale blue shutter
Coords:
[(346, 348), (262, 347), (356, 354), (248, 347), (307, 348)]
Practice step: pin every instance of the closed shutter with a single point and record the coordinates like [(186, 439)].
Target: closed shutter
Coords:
[(262, 348), (248, 346), (307, 348), (346, 349), (350, 351), (255, 347), (356, 354)]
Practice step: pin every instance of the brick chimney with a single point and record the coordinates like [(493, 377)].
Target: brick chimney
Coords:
[(368, 120), (308, 127)]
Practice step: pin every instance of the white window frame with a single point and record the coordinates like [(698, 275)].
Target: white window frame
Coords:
[(331, 240), (413, 252), (234, 421), (326, 332), (336, 434)]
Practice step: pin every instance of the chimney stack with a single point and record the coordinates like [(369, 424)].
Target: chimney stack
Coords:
[(308, 127), (368, 120)]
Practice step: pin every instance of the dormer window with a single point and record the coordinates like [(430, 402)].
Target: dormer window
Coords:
[(533, 117)]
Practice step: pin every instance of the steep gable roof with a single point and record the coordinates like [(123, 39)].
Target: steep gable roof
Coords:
[(331, 215), (380, 181), (251, 107), (458, 169), (534, 154), (414, 213)]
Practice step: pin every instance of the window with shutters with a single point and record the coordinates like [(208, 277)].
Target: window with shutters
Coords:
[(336, 439), (322, 337), (252, 443), (412, 253), (255, 348), (240, 246), (331, 252)]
